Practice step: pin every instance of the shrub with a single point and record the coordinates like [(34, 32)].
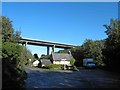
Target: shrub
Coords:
[(75, 68), (14, 56), (13, 61), (72, 61), (53, 66)]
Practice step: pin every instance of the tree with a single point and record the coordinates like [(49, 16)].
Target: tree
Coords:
[(93, 49), (36, 56), (0, 46), (112, 45), (8, 33), (64, 51), (78, 55), (0, 37), (14, 56), (88, 46), (43, 56), (13, 62), (72, 61)]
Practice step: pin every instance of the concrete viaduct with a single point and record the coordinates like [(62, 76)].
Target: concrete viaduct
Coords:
[(26, 41)]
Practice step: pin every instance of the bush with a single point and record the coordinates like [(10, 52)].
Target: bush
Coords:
[(111, 51), (45, 56), (53, 66), (14, 56), (75, 68), (72, 61), (13, 61)]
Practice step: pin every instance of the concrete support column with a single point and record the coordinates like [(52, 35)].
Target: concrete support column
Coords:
[(48, 50), (53, 48), (26, 43)]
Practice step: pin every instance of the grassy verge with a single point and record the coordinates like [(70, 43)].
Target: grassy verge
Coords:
[(52, 70)]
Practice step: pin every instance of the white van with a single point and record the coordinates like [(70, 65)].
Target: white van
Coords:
[(88, 62)]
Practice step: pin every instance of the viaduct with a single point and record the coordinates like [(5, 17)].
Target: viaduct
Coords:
[(26, 41)]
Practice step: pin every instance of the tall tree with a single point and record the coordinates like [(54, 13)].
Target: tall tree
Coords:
[(36, 56), (93, 49), (8, 33), (78, 54), (14, 56), (112, 45)]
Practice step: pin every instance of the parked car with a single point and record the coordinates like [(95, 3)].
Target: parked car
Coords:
[(89, 63)]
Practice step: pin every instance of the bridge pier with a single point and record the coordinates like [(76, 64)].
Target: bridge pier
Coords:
[(53, 48), (26, 43), (48, 50)]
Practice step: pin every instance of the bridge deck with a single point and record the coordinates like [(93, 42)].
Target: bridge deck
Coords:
[(45, 43)]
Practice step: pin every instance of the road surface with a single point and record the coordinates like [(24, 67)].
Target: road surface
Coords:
[(85, 78)]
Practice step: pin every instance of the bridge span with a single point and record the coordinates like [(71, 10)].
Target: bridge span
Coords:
[(54, 45)]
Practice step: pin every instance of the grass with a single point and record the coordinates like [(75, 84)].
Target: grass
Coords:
[(52, 70)]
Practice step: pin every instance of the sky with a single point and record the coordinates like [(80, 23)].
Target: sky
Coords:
[(63, 22)]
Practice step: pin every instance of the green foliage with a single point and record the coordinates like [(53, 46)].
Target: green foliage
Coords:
[(53, 66), (0, 46), (45, 57), (13, 63), (75, 68), (29, 56), (64, 51), (93, 49), (11, 51), (7, 29), (25, 56), (78, 55), (89, 49), (8, 33), (14, 56), (112, 45), (72, 61), (0, 38), (36, 56), (102, 51)]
